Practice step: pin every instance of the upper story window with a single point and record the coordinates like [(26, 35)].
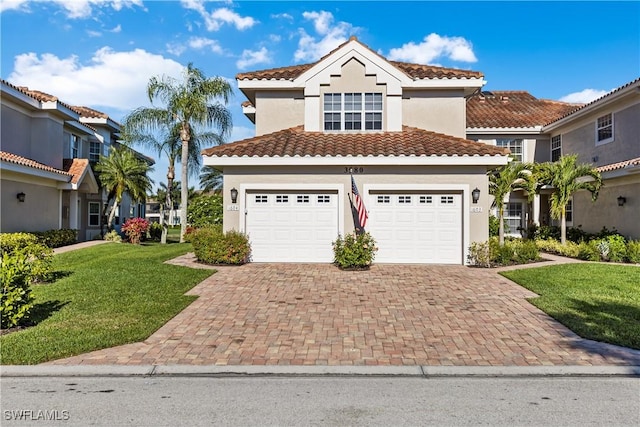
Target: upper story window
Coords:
[(604, 129), (556, 148), (74, 142), (353, 111), (94, 151), (515, 145)]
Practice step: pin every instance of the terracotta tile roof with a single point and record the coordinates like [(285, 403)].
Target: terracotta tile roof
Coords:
[(620, 165), (247, 104), (36, 94), (631, 83), (89, 112), (295, 142), (23, 161), (513, 109), (415, 71), (75, 168)]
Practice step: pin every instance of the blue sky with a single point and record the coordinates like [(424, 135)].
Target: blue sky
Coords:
[(101, 53)]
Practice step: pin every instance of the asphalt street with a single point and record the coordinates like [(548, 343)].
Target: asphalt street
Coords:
[(258, 400)]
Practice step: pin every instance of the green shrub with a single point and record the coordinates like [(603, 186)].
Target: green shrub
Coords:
[(479, 254), (155, 231), (39, 256), (633, 251), (214, 247), (525, 251), (113, 236), (588, 251), (58, 238), (205, 210), (16, 300), (617, 247), (577, 234), (494, 226), (546, 232), (354, 250)]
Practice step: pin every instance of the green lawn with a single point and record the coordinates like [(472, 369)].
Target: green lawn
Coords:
[(104, 296), (596, 301)]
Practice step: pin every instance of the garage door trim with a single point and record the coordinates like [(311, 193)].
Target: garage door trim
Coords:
[(244, 188), (455, 188)]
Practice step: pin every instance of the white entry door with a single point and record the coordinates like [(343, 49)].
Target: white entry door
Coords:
[(417, 228), (291, 226)]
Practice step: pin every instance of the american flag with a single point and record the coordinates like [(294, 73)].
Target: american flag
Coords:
[(359, 204)]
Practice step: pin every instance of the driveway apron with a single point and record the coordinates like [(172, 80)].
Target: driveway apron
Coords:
[(315, 314)]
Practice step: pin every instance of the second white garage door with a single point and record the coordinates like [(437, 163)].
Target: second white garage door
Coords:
[(417, 228), (292, 226)]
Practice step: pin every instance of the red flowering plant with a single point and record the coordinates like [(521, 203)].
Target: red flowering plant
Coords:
[(135, 228)]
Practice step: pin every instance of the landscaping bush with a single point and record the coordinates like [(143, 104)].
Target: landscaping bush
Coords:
[(525, 251), (214, 247), (155, 231), (135, 229), (354, 250), (633, 251), (546, 232), (38, 255), (16, 299), (205, 211), (113, 236), (493, 254), (494, 226), (617, 248), (58, 238), (479, 254), (588, 251)]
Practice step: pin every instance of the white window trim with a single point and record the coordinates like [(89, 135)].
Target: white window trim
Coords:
[(523, 207), (552, 149), (522, 148), (344, 111), (73, 138), (466, 197), (572, 210), (92, 153), (608, 140), (89, 214)]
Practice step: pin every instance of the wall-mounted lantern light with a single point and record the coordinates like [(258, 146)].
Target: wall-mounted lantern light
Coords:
[(475, 195), (234, 195), (20, 196), (622, 200)]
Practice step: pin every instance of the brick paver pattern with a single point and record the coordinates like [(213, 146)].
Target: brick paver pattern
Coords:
[(315, 314)]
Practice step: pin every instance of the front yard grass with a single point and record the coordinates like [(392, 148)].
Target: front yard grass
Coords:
[(105, 295), (596, 301)]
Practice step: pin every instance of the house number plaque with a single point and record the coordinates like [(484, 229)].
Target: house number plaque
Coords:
[(353, 169)]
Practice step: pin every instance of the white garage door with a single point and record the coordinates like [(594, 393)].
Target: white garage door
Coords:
[(292, 226), (417, 228)]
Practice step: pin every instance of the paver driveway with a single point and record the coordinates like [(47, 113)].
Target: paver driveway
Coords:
[(315, 314)]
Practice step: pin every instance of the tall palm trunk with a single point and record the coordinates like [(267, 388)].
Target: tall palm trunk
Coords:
[(501, 219), (184, 189), (563, 226), (112, 214), (168, 205)]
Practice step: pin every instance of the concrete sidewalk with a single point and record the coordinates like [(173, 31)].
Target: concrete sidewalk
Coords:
[(77, 246)]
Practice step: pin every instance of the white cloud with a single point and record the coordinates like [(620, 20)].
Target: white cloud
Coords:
[(435, 46), (92, 33), (203, 42), (20, 5), (276, 38), (76, 9), (116, 80), (176, 49), (331, 35), (214, 20), (282, 16), (584, 96), (116, 29), (254, 57)]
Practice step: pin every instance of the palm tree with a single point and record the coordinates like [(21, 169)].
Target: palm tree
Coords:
[(502, 181), (121, 171), (188, 104), (567, 177), (210, 179), (170, 145)]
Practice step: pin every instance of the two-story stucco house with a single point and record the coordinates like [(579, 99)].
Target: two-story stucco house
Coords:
[(399, 129), (606, 133), (47, 149)]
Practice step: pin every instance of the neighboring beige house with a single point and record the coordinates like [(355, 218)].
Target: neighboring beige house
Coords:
[(399, 129), (47, 149), (606, 133)]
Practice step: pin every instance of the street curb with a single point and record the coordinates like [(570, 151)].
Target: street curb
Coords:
[(315, 371)]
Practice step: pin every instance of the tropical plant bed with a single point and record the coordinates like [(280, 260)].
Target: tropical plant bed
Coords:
[(104, 296), (596, 301)]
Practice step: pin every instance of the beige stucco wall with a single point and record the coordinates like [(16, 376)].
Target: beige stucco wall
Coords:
[(605, 212), (277, 110), (39, 211), (579, 136), (534, 147), (435, 110), (471, 176)]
